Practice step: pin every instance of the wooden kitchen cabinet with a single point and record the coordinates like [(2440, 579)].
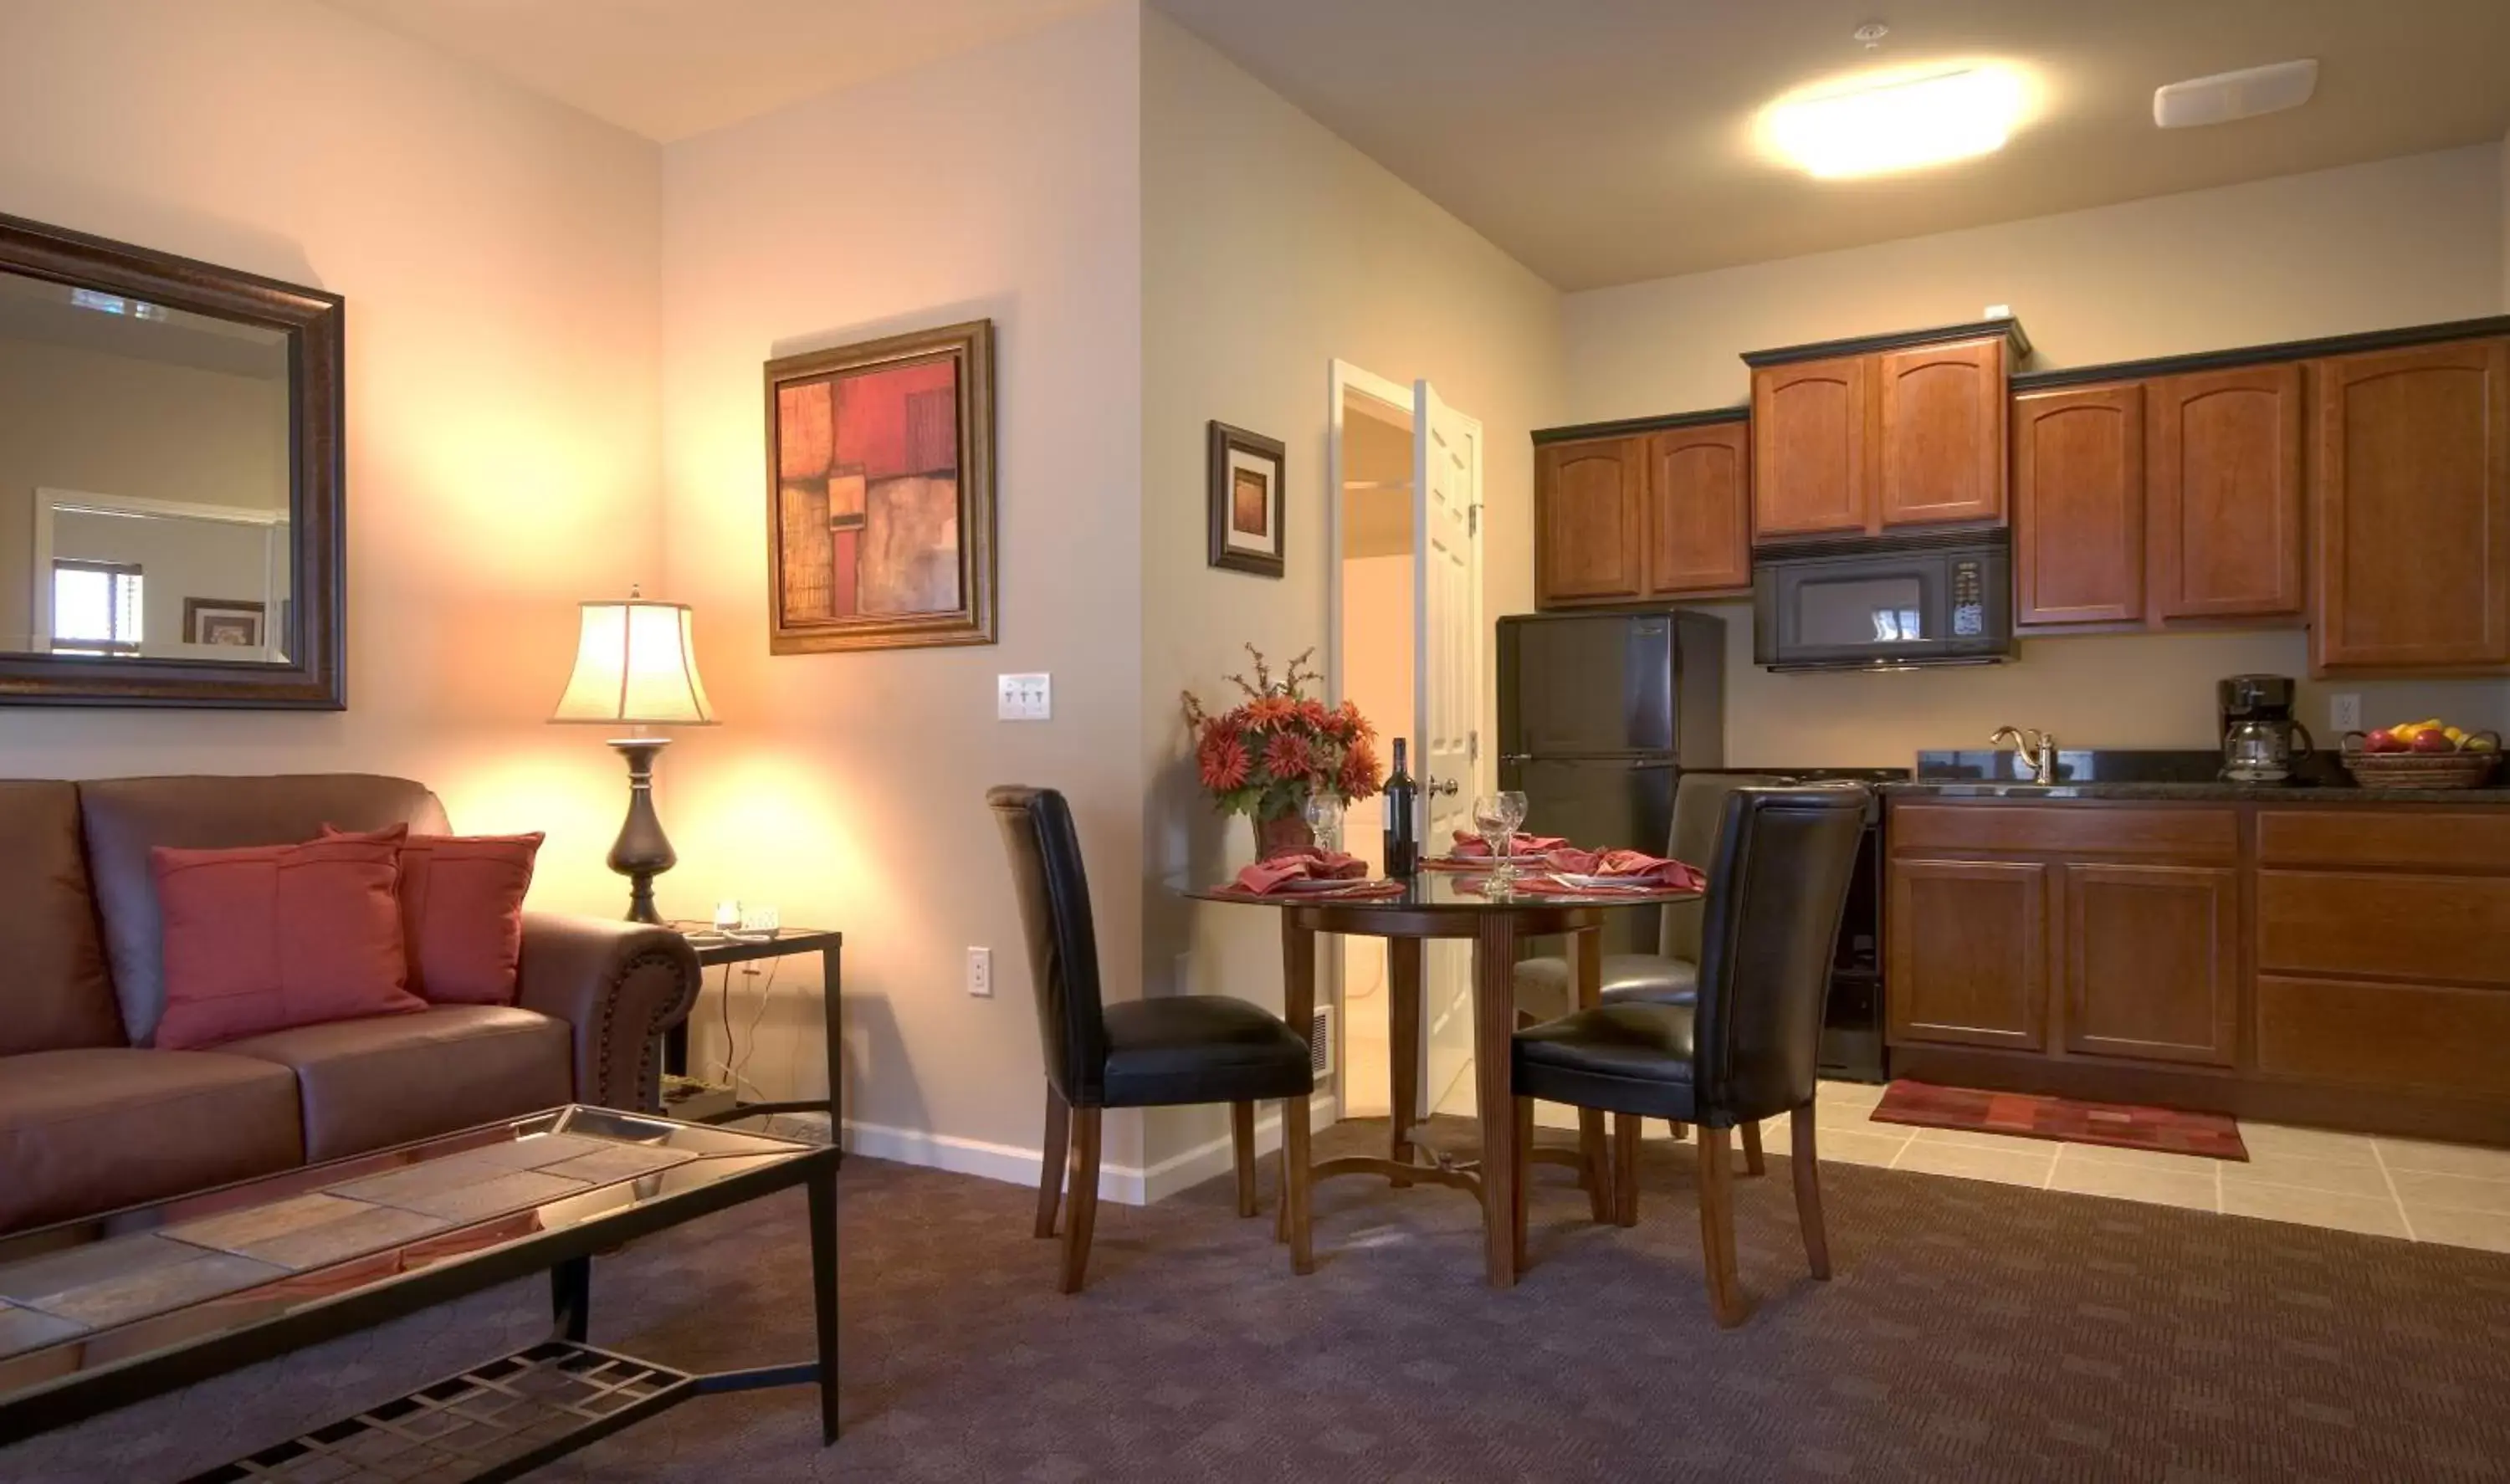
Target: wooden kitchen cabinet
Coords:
[(1941, 418), (2151, 962), (1589, 540), (1700, 510), (2223, 502), (1653, 512), (1968, 952), (2079, 504), (2411, 508), (1900, 431), (1812, 425)]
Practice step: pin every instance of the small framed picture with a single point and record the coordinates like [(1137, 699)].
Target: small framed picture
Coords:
[(1247, 502), (222, 622)]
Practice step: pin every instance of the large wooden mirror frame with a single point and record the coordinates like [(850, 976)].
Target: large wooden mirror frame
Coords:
[(301, 661)]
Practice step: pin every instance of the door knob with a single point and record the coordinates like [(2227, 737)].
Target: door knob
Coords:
[(1439, 786)]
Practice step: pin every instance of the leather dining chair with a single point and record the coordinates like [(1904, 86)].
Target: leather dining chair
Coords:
[(1745, 1048), (1546, 987), (1142, 1054)]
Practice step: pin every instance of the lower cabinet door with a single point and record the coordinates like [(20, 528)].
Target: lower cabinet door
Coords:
[(2151, 962), (1969, 953)]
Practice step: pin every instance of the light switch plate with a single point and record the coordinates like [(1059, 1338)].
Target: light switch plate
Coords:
[(1024, 698)]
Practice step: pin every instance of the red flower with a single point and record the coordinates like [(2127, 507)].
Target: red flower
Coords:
[(1287, 756), (1315, 714), (1265, 711), (1354, 726), (1225, 763), (1357, 779)]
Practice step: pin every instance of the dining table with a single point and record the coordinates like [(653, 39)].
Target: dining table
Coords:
[(1495, 918)]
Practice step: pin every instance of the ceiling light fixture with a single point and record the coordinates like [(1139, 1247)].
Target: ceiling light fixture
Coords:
[(1897, 123)]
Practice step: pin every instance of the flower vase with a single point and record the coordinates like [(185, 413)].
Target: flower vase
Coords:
[(1283, 834)]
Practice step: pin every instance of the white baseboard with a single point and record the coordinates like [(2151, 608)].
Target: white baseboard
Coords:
[(1124, 1184)]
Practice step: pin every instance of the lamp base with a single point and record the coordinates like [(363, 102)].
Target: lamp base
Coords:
[(642, 851)]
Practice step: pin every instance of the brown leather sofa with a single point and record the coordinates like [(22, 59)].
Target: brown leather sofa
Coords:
[(93, 1119)]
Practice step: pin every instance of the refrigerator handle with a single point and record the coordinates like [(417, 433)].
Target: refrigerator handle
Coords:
[(1643, 764), (1517, 757)]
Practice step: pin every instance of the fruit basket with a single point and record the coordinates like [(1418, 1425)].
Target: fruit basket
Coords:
[(2464, 764)]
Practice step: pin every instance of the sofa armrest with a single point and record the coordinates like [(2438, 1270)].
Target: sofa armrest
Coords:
[(621, 985)]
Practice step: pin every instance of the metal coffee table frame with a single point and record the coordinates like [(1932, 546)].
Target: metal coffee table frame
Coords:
[(566, 1255)]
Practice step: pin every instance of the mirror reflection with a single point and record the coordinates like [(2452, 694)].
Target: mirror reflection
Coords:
[(144, 476)]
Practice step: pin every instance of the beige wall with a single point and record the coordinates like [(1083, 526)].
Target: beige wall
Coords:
[(2401, 241), (1269, 249), (848, 788), (499, 257), (67, 423)]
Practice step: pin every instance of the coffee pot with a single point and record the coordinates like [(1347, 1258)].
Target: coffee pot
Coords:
[(2263, 750)]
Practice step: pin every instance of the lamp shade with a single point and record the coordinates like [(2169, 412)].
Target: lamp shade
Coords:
[(635, 665)]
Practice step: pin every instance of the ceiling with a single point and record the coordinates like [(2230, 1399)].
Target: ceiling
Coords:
[(1605, 142), (667, 69)]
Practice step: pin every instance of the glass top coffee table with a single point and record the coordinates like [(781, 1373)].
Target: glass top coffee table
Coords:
[(100, 1313)]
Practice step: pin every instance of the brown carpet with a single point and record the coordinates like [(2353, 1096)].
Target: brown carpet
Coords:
[(1974, 1332)]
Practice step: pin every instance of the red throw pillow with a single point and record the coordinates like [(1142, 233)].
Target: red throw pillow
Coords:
[(462, 915), (280, 936)]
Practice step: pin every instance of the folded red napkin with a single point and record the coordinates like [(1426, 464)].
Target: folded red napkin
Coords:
[(1469, 846), (1266, 876), (1637, 869)]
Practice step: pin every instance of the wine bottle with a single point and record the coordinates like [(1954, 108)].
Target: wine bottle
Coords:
[(1402, 816)]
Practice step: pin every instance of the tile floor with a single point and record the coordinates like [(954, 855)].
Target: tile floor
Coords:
[(2454, 1194), (2442, 1193)]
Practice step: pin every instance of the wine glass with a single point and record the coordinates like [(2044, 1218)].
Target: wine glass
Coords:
[(1323, 813), (1496, 823)]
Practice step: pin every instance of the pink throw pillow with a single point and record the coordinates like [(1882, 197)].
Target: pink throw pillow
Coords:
[(462, 915), (274, 936)]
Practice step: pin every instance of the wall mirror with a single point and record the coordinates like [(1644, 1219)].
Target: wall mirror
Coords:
[(170, 525)]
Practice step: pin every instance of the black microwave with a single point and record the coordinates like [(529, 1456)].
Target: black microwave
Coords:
[(1885, 603)]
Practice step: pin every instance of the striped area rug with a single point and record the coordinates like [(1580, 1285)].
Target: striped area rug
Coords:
[(2030, 1115)]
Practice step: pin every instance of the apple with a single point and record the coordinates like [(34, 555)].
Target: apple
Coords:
[(2383, 741), (2433, 741)]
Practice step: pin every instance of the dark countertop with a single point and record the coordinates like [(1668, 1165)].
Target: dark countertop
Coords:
[(2157, 777), (2237, 793)]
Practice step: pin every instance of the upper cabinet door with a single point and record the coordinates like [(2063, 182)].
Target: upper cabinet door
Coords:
[(1811, 435), (1590, 544), (2412, 504), (1943, 413), (2079, 504), (1698, 510), (2224, 512)]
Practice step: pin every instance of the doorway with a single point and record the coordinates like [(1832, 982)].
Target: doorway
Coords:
[(1406, 647)]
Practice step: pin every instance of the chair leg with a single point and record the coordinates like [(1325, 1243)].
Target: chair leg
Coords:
[(1281, 1185), (1753, 1161), (1049, 1169), (1717, 1225), (1816, 1239), (1516, 1208), (1296, 1161), (1625, 1169), (1241, 1134), (1084, 1199), (1681, 1131)]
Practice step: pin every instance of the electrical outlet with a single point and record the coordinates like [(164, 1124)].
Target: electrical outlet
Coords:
[(1024, 698), (2344, 711), (981, 972), (759, 917)]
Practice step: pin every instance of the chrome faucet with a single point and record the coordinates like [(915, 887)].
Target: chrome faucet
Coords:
[(2037, 750)]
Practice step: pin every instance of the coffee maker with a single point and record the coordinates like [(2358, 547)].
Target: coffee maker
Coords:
[(2261, 739)]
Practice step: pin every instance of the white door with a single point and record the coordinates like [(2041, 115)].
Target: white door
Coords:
[(1447, 672)]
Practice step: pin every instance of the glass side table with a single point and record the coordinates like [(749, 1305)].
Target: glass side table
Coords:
[(716, 948)]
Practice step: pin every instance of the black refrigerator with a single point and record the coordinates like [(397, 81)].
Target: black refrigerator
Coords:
[(1598, 715)]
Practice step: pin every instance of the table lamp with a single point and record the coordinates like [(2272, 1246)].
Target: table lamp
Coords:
[(635, 667)]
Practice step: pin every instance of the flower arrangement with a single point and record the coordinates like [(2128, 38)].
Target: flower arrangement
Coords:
[(1267, 755)]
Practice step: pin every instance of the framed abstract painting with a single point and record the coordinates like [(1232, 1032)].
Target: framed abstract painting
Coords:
[(1246, 501), (880, 494)]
